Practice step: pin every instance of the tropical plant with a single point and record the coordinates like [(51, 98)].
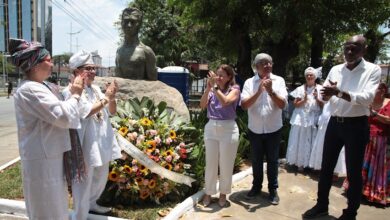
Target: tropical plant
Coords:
[(160, 134)]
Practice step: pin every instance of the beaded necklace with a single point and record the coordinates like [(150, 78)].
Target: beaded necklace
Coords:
[(99, 115)]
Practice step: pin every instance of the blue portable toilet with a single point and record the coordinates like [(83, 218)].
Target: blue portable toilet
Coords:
[(178, 77)]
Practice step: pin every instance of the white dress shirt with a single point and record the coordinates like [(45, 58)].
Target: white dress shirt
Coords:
[(264, 116), (360, 83), (43, 121)]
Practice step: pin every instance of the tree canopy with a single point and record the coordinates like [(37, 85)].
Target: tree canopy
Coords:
[(295, 33)]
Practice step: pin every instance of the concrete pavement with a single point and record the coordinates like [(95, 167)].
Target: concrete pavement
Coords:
[(297, 194), (8, 132)]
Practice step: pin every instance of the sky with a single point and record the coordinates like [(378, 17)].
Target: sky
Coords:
[(89, 24)]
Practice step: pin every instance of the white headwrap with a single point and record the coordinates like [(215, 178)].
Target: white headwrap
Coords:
[(311, 70), (80, 58)]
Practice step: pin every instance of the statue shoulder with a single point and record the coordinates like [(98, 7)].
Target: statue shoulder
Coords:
[(148, 51)]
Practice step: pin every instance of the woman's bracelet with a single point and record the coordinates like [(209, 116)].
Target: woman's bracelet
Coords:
[(374, 113)]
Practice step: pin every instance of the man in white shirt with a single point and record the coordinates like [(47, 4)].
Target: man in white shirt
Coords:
[(350, 89), (264, 96)]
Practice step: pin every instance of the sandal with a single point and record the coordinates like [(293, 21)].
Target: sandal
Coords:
[(222, 200), (206, 200)]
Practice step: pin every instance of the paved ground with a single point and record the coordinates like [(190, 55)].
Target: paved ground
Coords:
[(8, 136), (297, 194)]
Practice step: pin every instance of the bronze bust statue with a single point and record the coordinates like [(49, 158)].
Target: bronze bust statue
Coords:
[(134, 60)]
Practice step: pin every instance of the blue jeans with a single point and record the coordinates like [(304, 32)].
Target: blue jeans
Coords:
[(267, 144)]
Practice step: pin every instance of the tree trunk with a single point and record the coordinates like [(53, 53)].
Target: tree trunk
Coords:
[(240, 31), (317, 46)]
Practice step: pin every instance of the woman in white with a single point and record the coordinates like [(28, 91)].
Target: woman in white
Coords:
[(304, 120), (318, 145), (96, 135), (43, 131)]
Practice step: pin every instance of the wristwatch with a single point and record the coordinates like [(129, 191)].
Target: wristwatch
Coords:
[(340, 94), (215, 88)]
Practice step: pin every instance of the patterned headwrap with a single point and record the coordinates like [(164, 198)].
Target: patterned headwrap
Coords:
[(25, 54)]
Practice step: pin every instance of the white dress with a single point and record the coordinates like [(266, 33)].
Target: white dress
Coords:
[(43, 132), (316, 153), (303, 127)]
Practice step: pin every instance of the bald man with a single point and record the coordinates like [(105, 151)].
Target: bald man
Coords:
[(350, 89)]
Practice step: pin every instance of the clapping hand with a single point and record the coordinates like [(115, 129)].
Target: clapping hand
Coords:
[(76, 85), (111, 89), (329, 90), (211, 79)]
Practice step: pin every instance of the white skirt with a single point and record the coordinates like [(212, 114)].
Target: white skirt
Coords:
[(300, 143), (316, 154), (44, 189)]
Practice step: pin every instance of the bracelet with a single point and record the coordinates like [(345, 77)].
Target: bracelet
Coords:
[(374, 113), (75, 96)]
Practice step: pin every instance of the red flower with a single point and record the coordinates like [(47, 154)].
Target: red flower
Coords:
[(183, 153)]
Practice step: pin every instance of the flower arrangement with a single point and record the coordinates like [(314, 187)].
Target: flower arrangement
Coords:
[(162, 136)]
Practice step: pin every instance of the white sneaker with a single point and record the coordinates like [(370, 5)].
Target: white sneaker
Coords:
[(100, 209)]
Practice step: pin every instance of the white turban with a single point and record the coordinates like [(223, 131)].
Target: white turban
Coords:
[(80, 58), (311, 70)]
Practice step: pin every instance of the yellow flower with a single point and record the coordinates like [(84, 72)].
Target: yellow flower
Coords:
[(168, 166), (143, 169), (127, 169), (172, 134), (144, 194), (168, 153), (151, 146), (152, 184), (146, 122), (123, 131), (139, 180), (113, 176)]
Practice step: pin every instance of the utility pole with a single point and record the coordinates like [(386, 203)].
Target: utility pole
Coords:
[(77, 44), (70, 36)]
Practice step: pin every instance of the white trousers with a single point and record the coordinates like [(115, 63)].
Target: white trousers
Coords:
[(44, 189), (221, 142), (87, 192)]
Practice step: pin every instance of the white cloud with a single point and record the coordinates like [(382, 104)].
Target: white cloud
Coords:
[(103, 12)]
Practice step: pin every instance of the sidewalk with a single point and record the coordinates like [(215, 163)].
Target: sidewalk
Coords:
[(297, 193)]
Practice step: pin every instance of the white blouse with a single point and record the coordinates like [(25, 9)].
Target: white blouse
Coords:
[(306, 115), (43, 121)]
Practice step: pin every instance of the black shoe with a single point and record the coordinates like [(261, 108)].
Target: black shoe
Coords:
[(347, 215), (273, 197), (315, 212), (252, 193)]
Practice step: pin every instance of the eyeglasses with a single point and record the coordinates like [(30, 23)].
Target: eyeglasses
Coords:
[(88, 68)]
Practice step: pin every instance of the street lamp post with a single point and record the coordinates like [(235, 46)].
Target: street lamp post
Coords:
[(3, 63)]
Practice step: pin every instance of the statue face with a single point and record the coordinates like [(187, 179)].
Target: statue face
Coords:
[(131, 22)]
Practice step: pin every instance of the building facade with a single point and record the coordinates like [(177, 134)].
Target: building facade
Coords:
[(27, 19)]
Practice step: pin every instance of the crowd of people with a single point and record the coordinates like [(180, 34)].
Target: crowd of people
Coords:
[(65, 138)]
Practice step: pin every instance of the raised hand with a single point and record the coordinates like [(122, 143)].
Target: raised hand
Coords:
[(76, 85), (329, 90)]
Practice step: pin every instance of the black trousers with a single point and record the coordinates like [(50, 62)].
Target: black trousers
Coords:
[(353, 133), (267, 144)]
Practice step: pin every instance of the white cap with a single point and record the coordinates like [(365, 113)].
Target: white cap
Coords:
[(311, 70), (80, 58)]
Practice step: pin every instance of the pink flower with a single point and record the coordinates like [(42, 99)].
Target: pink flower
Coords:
[(168, 141), (141, 138), (134, 162), (157, 151), (157, 139), (153, 132), (168, 158), (182, 144), (146, 182)]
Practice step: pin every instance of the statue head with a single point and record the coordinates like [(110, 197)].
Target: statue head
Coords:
[(131, 21)]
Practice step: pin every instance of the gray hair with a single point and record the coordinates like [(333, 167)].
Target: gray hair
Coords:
[(261, 57), (311, 70)]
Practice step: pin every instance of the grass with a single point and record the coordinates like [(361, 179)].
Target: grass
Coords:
[(11, 183), (11, 188)]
